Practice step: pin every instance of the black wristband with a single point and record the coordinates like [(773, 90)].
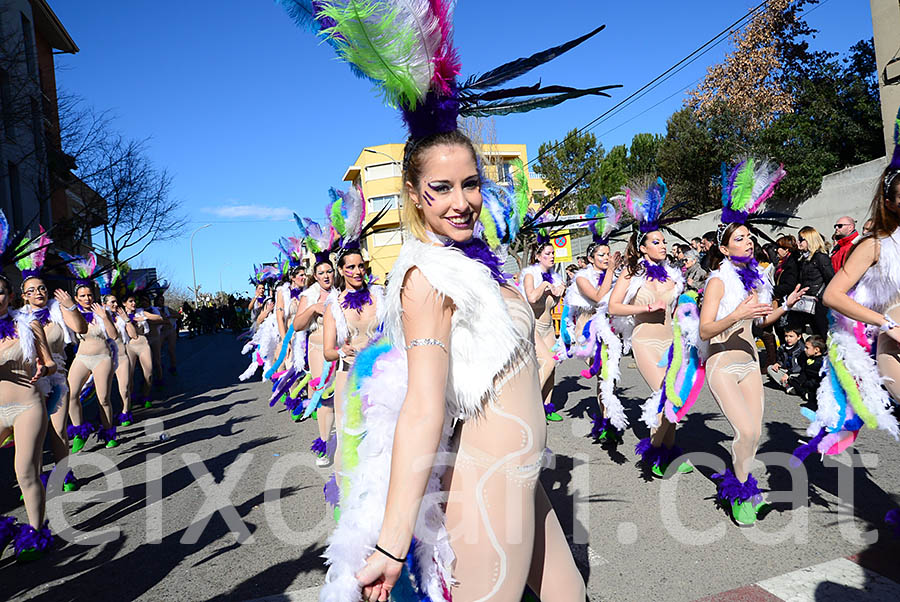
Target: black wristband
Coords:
[(389, 555)]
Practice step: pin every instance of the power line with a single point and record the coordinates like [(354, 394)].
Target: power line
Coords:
[(662, 77)]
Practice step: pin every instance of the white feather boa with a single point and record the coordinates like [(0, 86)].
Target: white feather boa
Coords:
[(879, 287), (603, 334), (483, 339), (624, 325), (267, 342), (574, 298), (57, 318), (536, 274), (734, 293), (333, 304), (362, 506)]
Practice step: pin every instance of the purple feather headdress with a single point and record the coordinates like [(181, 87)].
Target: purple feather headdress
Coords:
[(602, 221), (407, 49), (893, 168), (745, 188)]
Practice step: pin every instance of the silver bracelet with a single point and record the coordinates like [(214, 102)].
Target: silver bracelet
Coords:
[(423, 342), (69, 308), (888, 324)]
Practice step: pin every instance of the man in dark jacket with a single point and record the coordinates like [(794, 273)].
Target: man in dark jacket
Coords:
[(706, 243), (844, 236)]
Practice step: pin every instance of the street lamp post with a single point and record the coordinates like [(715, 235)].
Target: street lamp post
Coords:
[(400, 193), (193, 270)]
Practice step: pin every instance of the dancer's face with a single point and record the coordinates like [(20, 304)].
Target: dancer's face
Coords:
[(600, 258), (85, 297), (298, 279), (739, 245), (112, 304), (654, 247), (4, 297), (35, 292), (130, 304), (353, 271), (448, 194), (546, 257), (260, 290), (325, 276)]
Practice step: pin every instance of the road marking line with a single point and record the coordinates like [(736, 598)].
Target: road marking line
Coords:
[(835, 579)]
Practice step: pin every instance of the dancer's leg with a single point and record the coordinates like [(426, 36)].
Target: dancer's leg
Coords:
[(102, 384), (30, 428), (554, 577), (737, 388), (647, 353), (546, 367), (59, 439), (123, 379), (889, 359), (78, 375)]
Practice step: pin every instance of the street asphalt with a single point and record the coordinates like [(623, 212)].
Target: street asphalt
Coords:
[(238, 512)]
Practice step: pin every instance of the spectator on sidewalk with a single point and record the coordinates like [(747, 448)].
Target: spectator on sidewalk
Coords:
[(789, 357), (807, 382), (706, 243), (844, 237), (694, 275)]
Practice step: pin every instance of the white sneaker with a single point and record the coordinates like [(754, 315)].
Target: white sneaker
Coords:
[(323, 461)]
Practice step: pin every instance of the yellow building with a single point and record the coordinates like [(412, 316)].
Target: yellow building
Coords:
[(377, 170)]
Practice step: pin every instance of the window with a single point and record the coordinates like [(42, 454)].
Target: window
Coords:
[(28, 33), (503, 172), (386, 238), (381, 171), (377, 203), (15, 195), (7, 108)]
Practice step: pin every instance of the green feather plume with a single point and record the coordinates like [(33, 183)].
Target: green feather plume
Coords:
[(743, 187), (380, 47), (337, 218), (520, 186), (490, 229)]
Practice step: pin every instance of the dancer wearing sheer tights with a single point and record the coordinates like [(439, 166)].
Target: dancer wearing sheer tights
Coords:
[(647, 290), (94, 358), (349, 324), (48, 313), (543, 289), (155, 338), (310, 317), (125, 333), (447, 310), (734, 298), (139, 351), (286, 304), (24, 358), (589, 294)]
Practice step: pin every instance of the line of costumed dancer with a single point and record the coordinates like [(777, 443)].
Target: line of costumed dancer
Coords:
[(441, 384), (41, 395)]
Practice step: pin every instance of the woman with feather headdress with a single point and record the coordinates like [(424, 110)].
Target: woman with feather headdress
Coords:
[(264, 344), (60, 319), (139, 349), (862, 368), (25, 361), (96, 357), (352, 315), (737, 294), (126, 333), (310, 320), (644, 298), (287, 296), (458, 347), (585, 330)]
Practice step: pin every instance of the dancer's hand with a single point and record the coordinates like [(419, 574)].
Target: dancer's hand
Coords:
[(348, 350), (121, 313), (656, 306), (795, 295), (378, 577), (40, 370), (616, 260), (557, 290), (749, 309), (64, 298), (98, 310)]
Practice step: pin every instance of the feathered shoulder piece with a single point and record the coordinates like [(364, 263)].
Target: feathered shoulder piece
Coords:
[(32, 263), (603, 221), (745, 188), (406, 48)]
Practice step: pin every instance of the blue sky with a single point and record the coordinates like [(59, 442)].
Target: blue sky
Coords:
[(255, 119)]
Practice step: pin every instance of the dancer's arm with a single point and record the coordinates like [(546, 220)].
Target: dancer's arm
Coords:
[(130, 330), (534, 293), (329, 334), (44, 365), (836, 297), (71, 316), (267, 309), (617, 307), (280, 313), (426, 316), (110, 326), (749, 309), (306, 314)]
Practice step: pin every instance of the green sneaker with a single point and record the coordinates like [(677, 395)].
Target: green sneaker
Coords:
[(337, 514), (554, 417), (125, 423), (744, 513), (111, 444), (659, 470), (78, 443), (685, 468), (29, 555), (297, 417), (315, 415), (148, 404), (70, 487)]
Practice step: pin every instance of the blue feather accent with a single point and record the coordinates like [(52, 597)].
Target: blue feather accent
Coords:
[(4, 232)]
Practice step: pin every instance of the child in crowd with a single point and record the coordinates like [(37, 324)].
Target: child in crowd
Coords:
[(789, 358), (807, 382)]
